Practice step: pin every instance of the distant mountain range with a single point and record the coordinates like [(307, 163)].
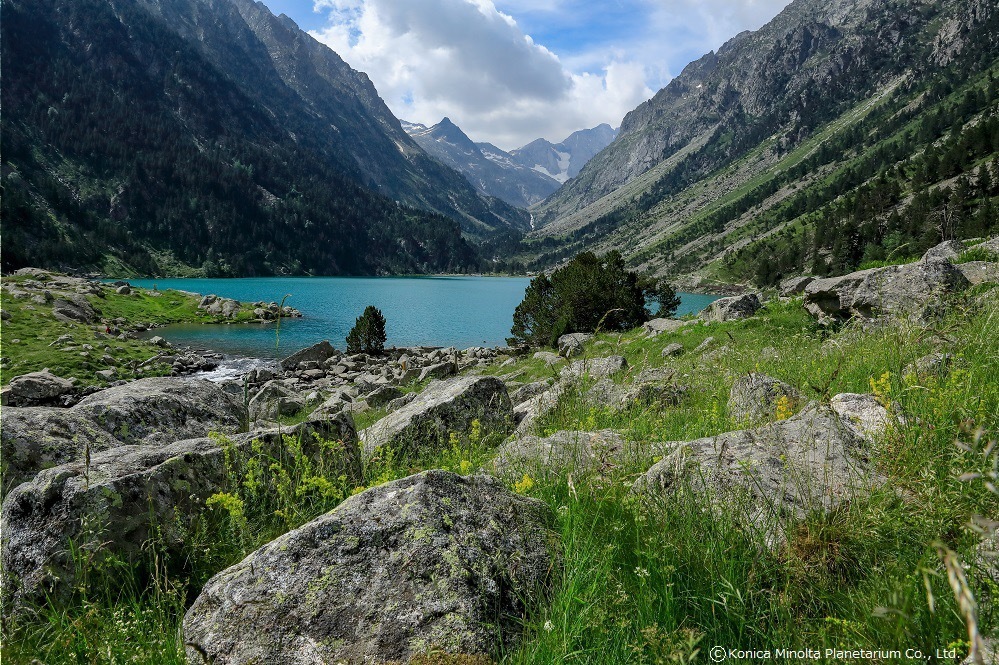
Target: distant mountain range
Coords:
[(179, 136), (844, 132), (521, 177)]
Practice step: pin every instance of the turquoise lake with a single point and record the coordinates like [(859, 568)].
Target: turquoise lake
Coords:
[(420, 311)]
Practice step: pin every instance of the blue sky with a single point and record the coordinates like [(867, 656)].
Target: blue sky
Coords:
[(511, 71)]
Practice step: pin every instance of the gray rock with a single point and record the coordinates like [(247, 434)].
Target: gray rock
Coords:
[(596, 368), (158, 341), (443, 407), (813, 461), (572, 344), (548, 357), (113, 507), (438, 371), (74, 308), (833, 297), (527, 414), (123, 290), (866, 417), (672, 350), (754, 398), (381, 396), (657, 327), (400, 402), (933, 363), (37, 438), (703, 346), (732, 309), (565, 452), (617, 398), (948, 251), (525, 392), (320, 352), (159, 409), (911, 290), (430, 563), (980, 272), (275, 399), (38, 389), (794, 286)]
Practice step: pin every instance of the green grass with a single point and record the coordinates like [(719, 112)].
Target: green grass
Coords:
[(35, 328), (665, 580)]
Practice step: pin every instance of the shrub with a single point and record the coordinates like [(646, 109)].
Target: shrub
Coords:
[(587, 293), (368, 333)]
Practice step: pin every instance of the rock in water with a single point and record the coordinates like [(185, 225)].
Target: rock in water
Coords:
[(443, 407), (126, 496), (433, 562)]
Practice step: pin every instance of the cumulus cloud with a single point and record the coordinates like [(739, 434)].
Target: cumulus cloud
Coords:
[(475, 62)]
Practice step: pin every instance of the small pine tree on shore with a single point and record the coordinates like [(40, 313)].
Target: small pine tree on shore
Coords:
[(368, 333)]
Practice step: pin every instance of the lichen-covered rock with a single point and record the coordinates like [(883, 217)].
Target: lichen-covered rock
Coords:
[(522, 393), (430, 563), (644, 391), (548, 357), (596, 368), (572, 344), (566, 452), (865, 415), (161, 409), (732, 309), (947, 250), (673, 350), (320, 352), (526, 414), (910, 290), (275, 399), (794, 286), (932, 364), (438, 371), (126, 495), (443, 407), (755, 398), (980, 272), (812, 461), (37, 438), (73, 307), (38, 389), (657, 327)]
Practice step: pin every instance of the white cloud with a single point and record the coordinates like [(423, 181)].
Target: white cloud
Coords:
[(473, 62)]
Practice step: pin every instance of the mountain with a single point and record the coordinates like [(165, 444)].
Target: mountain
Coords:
[(565, 160), (490, 170), (842, 133), (178, 135)]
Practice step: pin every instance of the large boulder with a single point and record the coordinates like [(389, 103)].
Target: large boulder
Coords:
[(275, 399), (794, 286), (438, 371), (980, 272), (566, 452), (430, 563), (73, 308), (320, 352), (947, 250), (527, 413), (443, 407), (127, 496), (37, 438), (755, 397), (657, 327), (865, 415), (596, 368), (910, 290), (812, 461), (161, 409), (732, 309), (572, 344), (38, 389)]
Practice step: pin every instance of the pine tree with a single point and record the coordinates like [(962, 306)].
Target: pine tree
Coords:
[(368, 333)]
